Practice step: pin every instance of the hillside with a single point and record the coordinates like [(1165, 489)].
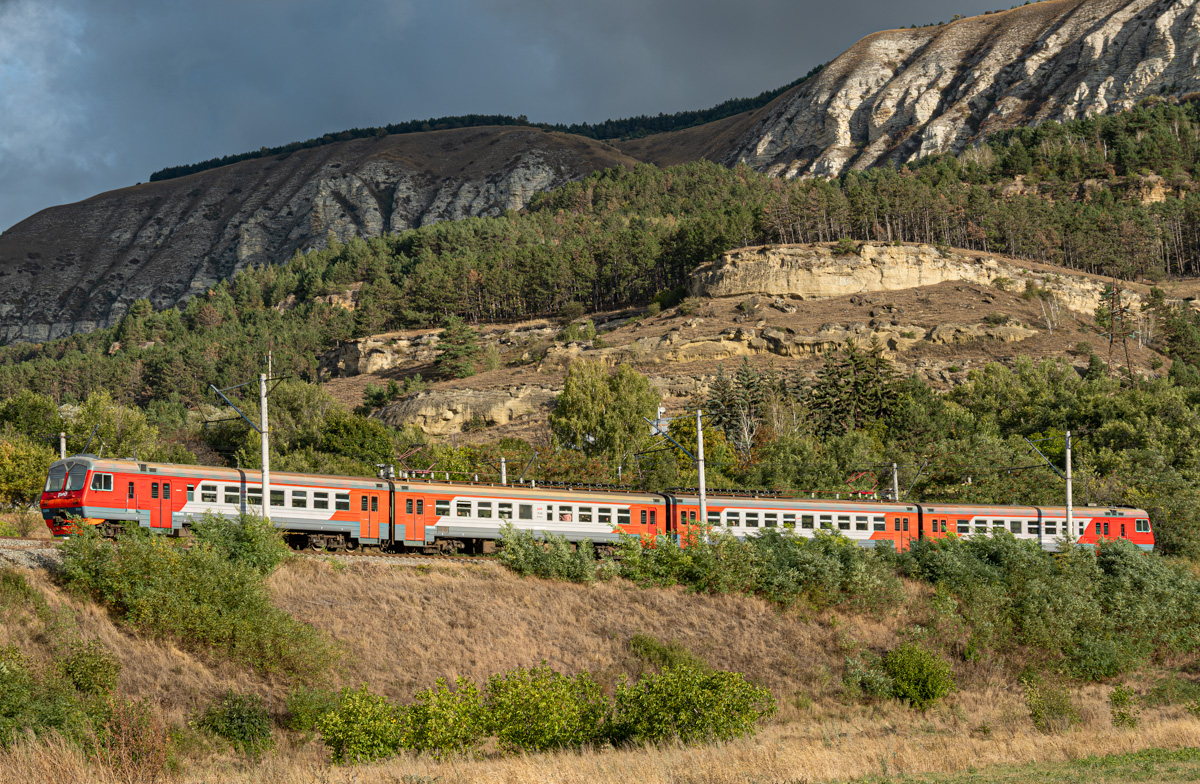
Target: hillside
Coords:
[(891, 98)]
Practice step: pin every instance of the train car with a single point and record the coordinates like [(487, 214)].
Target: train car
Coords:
[(337, 512)]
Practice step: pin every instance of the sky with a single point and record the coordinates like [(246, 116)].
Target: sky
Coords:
[(97, 94)]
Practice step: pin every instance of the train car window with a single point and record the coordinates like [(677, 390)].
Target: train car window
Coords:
[(585, 514), (485, 509), (420, 506), (997, 524), (525, 511), (732, 518), (131, 491), (714, 517), (844, 522), (827, 521), (896, 524), (604, 515), (622, 517), (1098, 528), (277, 497), (682, 517), (341, 502), (1014, 526), (254, 496), (752, 519), (154, 489), (1035, 527), (1051, 527), (565, 514), (232, 495), (320, 500), (806, 521), (906, 524), (1106, 528), (442, 509), (981, 526), (102, 482), (643, 517), (693, 516), (462, 509), (653, 515), (880, 523), (299, 499), (504, 511), (789, 519), (770, 520), (56, 478), (408, 507), (962, 527), (166, 490), (363, 509), (860, 523), (1122, 530), (374, 503)]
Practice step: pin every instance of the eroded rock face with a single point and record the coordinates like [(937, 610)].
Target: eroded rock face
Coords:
[(79, 266), (817, 271), (441, 412), (901, 94)]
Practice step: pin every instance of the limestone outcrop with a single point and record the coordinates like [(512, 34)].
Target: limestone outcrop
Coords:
[(819, 271), (441, 412)]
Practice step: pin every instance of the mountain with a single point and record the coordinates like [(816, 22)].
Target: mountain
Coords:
[(893, 97)]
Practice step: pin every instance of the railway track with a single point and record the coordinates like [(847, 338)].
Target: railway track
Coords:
[(404, 559)]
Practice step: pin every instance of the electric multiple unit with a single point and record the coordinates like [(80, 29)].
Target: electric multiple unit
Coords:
[(346, 512)]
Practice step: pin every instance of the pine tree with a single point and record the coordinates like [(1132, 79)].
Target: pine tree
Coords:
[(459, 343)]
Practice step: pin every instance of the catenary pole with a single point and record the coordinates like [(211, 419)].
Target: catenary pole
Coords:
[(700, 467), (895, 482), (266, 447), (1070, 500), (62, 446)]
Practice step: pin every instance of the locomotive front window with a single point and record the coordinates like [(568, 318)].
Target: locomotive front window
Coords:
[(102, 482), (56, 478), (299, 499), (277, 497), (441, 508), (320, 500), (1142, 526), (341, 502), (208, 494), (232, 495), (525, 511), (76, 478), (604, 515)]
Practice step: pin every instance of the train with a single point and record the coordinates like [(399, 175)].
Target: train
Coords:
[(428, 516)]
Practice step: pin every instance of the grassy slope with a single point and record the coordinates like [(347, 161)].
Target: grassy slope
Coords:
[(402, 628)]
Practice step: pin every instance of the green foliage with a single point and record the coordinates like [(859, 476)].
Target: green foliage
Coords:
[(443, 721), (37, 701), (23, 467), (1050, 707), (845, 247), (1123, 706), (305, 706), (196, 596), (918, 677), (1171, 690), (690, 705), (90, 667), (459, 346), (601, 413), (665, 655), (578, 332), (653, 309), (248, 540), (539, 709), (363, 727), (550, 557), (241, 719), (865, 675)]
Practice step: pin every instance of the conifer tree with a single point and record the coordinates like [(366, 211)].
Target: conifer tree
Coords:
[(459, 343)]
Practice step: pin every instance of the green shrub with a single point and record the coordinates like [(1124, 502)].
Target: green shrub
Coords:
[(1123, 706), (1050, 707), (90, 667), (996, 319), (196, 595), (305, 706), (578, 332), (36, 702), (653, 309), (363, 727), (845, 247), (1171, 690), (571, 311), (918, 677), (442, 721), (491, 359), (689, 307), (664, 655), (1193, 708), (865, 676), (241, 719), (689, 705), (248, 539), (539, 709), (551, 557)]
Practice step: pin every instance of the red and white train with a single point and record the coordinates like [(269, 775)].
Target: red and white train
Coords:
[(338, 512)]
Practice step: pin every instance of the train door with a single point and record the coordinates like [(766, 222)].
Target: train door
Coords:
[(164, 506), (369, 516), (413, 516), (155, 505)]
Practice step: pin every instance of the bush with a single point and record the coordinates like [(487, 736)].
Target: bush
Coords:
[(665, 655), (132, 740), (241, 719), (689, 307), (571, 311), (249, 540), (1123, 706), (866, 676), (845, 247), (363, 727), (653, 309), (689, 705), (306, 706), (551, 557), (443, 722), (90, 667), (996, 319), (918, 677), (1050, 707), (578, 332), (36, 704), (539, 709)]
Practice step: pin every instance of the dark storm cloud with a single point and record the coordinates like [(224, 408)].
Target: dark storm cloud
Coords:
[(96, 94)]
